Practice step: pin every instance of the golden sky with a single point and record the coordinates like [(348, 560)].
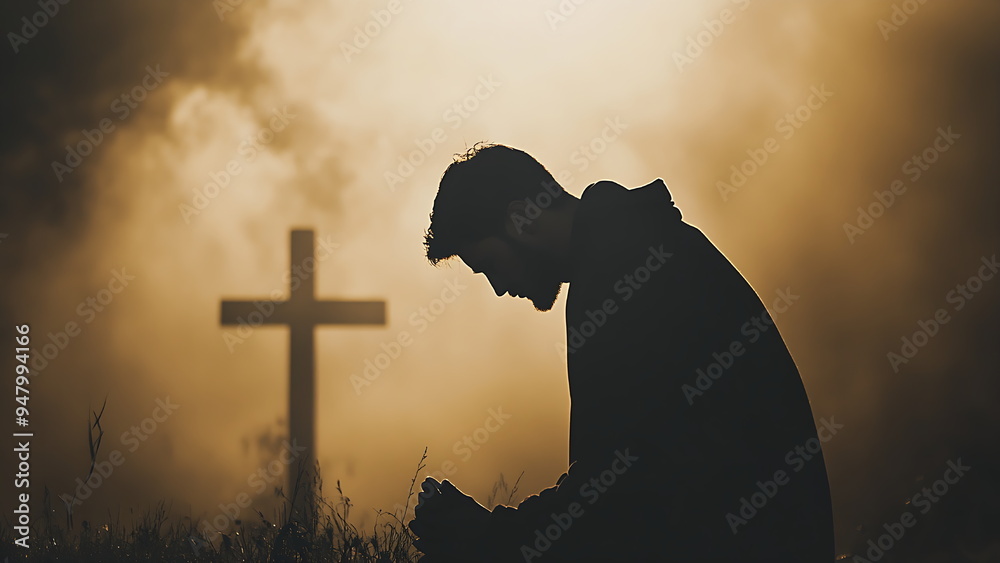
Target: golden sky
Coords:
[(341, 117)]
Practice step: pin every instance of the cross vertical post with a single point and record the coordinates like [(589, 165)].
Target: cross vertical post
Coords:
[(302, 312), (302, 376)]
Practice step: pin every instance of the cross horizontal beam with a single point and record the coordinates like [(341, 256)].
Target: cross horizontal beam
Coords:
[(302, 313), (308, 313)]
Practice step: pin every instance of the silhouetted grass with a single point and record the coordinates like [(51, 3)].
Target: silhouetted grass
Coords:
[(152, 537)]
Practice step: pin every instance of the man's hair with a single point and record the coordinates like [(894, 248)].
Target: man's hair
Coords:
[(474, 193)]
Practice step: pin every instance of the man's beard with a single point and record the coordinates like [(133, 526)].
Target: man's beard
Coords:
[(546, 296), (545, 290)]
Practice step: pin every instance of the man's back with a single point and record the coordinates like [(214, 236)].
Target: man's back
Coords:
[(691, 436), (672, 357)]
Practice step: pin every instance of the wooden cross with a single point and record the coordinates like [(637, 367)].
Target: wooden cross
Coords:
[(302, 312)]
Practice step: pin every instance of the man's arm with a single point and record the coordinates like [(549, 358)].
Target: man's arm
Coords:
[(452, 526)]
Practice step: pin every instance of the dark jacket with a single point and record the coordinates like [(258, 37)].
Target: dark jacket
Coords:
[(686, 405)]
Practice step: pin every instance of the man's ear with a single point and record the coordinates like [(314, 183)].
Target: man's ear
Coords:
[(518, 223)]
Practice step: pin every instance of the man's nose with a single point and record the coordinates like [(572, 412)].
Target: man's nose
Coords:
[(498, 286)]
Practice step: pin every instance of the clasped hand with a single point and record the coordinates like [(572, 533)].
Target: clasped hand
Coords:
[(450, 525)]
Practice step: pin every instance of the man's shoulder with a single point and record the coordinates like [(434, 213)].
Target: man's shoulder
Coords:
[(610, 190), (604, 190), (607, 198), (612, 218)]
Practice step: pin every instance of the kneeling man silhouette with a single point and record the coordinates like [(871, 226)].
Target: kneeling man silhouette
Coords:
[(691, 436)]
